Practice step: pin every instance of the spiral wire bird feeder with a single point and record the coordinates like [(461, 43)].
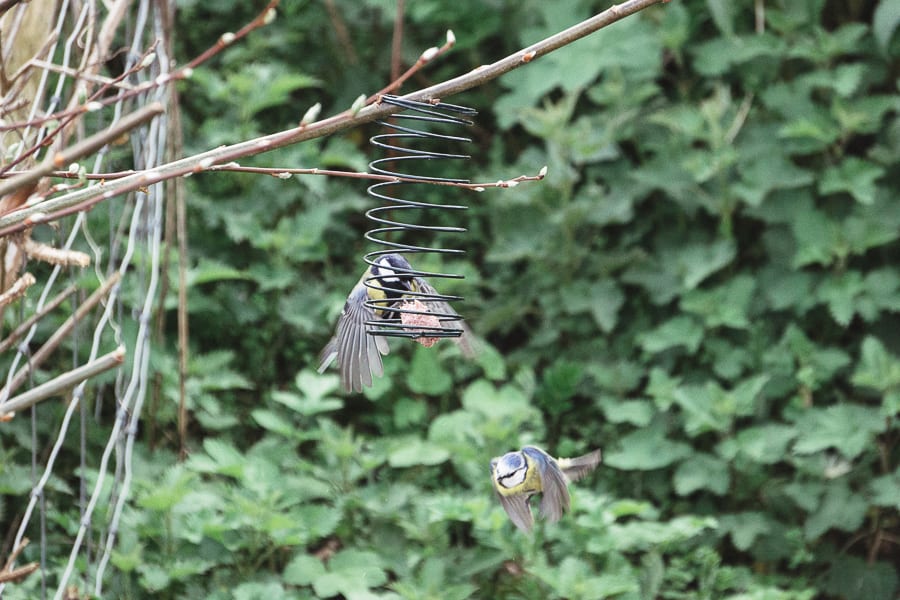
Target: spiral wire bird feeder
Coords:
[(412, 137)]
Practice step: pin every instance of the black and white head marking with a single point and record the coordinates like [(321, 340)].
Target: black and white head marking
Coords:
[(511, 470)]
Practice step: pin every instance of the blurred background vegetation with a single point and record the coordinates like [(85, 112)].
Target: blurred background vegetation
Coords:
[(705, 286)]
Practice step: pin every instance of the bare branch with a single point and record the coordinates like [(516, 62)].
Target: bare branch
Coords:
[(82, 148), (25, 217), (62, 383), (286, 173), (19, 573), (7, 573)]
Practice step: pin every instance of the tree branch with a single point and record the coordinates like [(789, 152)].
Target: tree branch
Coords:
[(43, 211), (62, 383), (83, 148)]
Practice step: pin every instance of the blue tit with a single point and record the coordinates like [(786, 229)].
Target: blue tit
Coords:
[(518, 476), (358, 354)]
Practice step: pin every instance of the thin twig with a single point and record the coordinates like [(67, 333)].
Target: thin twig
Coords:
[(397, 42), (19, 572), (286, 173), (7, 573), (75, 175), (83, 198), (15, 554), (51, 344), (226, 39), (83, 148), (19, 331), (61, 132), (62, 383), (101, 100), (340, 30), (739, 119), (426, 57), (74, 74)]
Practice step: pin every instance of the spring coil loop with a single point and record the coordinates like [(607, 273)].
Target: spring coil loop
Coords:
[(427, 114)]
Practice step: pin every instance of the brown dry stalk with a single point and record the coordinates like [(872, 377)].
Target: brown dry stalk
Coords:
[(17, 289), (56, 256)]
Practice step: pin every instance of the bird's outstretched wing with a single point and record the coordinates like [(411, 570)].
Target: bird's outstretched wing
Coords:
[(576, 468), (466, 340), (554, 490), (519, 511), (358, 354)]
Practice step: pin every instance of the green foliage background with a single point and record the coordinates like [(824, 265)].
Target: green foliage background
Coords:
[(705, 286)]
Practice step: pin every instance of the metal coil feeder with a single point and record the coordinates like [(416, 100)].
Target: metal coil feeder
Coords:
[(403, 128)]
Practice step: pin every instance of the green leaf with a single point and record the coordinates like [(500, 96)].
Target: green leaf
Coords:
[(254, 590), (702, 471), (315, 386), (877, 368), (818, 238), (853, 175), (350, 572), (505, 402), (885, 490), (426, 373), (745, 527), (208, 271), (705, 408), (559, 383), (634, 412), (885, 22), (646, 449), (307, 405), (683, 330), (693, 263), (763, 172), (642, 535), (303, 570), (169, 491), (806, 495), (766, 444), (842, 292), (726, 305), (854, 577), (607, 298), (221, 457), (850, 428), (491, 361), (414, 452), (273, 422), (723, 13), (840, 509)]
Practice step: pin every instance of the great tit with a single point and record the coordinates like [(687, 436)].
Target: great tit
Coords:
[(518, 476), (391, 282)]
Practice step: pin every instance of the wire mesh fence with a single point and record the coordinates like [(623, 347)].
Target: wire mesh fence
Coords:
[(79, 296)]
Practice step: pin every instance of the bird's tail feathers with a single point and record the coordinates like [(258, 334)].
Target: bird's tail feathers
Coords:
[(576, 468)]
